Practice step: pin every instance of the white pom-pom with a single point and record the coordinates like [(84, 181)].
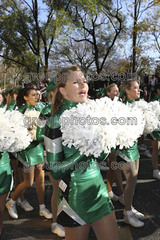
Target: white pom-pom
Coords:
[(99, 125), (151, 113), (14, 135), (31, 119)]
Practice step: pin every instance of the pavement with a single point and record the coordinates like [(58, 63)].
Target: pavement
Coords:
[(30, 226)]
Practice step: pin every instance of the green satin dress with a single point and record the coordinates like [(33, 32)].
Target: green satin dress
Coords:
[(84, 196), (5, 173), (34, 153), (129, 154)]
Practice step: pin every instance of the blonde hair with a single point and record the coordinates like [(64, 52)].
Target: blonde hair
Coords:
[(126, 85), (61, 79), (110, 86)]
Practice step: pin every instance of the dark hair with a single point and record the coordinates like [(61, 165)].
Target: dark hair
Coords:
[(10, 96), (5, 94), (23, 92)]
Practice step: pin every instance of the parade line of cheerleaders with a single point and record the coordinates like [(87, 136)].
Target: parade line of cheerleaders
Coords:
[(80, 198)]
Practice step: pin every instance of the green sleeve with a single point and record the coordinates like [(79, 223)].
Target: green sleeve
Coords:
[(59, 169), (44, 115), (58, 164)]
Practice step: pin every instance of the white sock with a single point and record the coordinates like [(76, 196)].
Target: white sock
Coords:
[(42, 206), (129, 212)]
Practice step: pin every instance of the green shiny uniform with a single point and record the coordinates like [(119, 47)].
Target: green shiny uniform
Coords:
[(5, 173), (86, 198), (129, 154), (33, 154), (12, 106), (44, 115)]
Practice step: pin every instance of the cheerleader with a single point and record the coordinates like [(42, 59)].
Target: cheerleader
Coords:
[(32, 159), (18, 175), (5, 183), (130, 156), (112, 91), (11, 99), (85, 201), (44, 115)]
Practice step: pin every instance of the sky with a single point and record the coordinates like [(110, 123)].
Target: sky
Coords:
[(126, 5)]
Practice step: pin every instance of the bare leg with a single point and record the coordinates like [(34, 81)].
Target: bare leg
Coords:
[(20, 179), (131, 171), (39, 179), (3, 198), (114, 173), (54, 199), (110, 175), (155, 148), (78, 233), (27, 182), (106, 227), (14, 165)]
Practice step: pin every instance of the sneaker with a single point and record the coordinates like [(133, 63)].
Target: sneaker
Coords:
[(147, 153), (12, 209), (131, 219), (156, 174), (58, 229), (26, 206), (113, 196), (137, 214), (45, 213), (121, 199)]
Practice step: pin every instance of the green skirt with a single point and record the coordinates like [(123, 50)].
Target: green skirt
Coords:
[(85, 200), (155, 135), (32, 156), (5, 173), (89, 199), (129, 154)]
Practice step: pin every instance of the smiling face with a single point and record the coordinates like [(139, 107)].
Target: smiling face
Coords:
[(114, 91), (76, 87), (134, 92), (32, 97)]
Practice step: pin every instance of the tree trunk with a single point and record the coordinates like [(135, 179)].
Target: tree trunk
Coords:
[(134, 37)]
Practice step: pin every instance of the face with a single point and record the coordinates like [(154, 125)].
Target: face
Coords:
[(113, 92), (76, 88), (39, 95), (134, 92), (158, 91), (15, 96), (32, 98)]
